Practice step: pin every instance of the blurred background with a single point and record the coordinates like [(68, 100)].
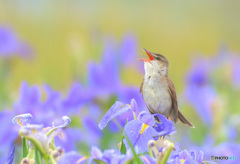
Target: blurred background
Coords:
[(69, 43)]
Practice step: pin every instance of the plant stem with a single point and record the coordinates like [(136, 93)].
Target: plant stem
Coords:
[(31, 153), (167, 153), (24, 147), (46, 161)]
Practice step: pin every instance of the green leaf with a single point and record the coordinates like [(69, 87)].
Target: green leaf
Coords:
[(37, 157), (135, 156), (99, 161), (123, 148), (130, 161), (136, 159), (31, 153), (24, 148)]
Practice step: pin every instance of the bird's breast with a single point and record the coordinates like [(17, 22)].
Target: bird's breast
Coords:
[(156, 95)]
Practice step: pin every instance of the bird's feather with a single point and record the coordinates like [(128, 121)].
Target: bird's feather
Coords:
[(172, 92), (141, 87)]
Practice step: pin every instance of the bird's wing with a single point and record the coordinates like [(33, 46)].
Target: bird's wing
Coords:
[(141, 86), (172, 92)]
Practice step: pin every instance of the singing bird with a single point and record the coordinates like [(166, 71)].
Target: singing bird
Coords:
[(158, 89)]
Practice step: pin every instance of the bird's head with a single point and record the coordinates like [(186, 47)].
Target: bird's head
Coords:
[(156, 63)]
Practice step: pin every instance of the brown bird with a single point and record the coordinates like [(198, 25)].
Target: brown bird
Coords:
[(158, 89)]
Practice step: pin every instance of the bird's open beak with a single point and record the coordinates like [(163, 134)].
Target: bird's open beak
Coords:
[(149, 55)]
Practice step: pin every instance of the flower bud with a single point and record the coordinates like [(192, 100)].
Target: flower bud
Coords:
[(60, 151), (151, 144), (25, 161)]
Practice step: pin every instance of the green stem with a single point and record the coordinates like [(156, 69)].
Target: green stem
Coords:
[(36, 143), (24, 147), (31, 153), (150, 152), (167, 153), (46, 161), (52, 145), (136, 158), (52, 159), (37, 157), (134, 115), (51, 131)]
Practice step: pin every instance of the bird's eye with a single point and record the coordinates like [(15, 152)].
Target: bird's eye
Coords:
[(162, 59)]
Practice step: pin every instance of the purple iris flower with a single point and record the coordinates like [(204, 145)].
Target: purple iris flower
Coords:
[(191, 157), (127, 93), (76, 98), (91, 126), (116, 110), (44, 112), (39, 137), (236, 71), (95, 111), (11, 156), (11, 45), (8, 134), (122, 112), (69, 138), (146, 159), (140, 131), (128, 49), (29, 100), (186, 157), (52, 108), (72, 157), (53, 100), (115, 156), (142, 128), (232, 132), (108, 156), (165, 127), (128, 53), (230, 149), (103, 78), (198, 82)]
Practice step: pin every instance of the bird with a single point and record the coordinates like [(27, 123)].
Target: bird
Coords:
[(158, 90)]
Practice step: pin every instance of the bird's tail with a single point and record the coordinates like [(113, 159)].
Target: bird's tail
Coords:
[(184, 120)]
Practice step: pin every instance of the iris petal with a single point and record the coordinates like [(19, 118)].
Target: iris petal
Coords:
[(70, 158), (22, 119), (165, 127), (139, 141), (146, 118), (117, 109), (66, 122), (96, 152)]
